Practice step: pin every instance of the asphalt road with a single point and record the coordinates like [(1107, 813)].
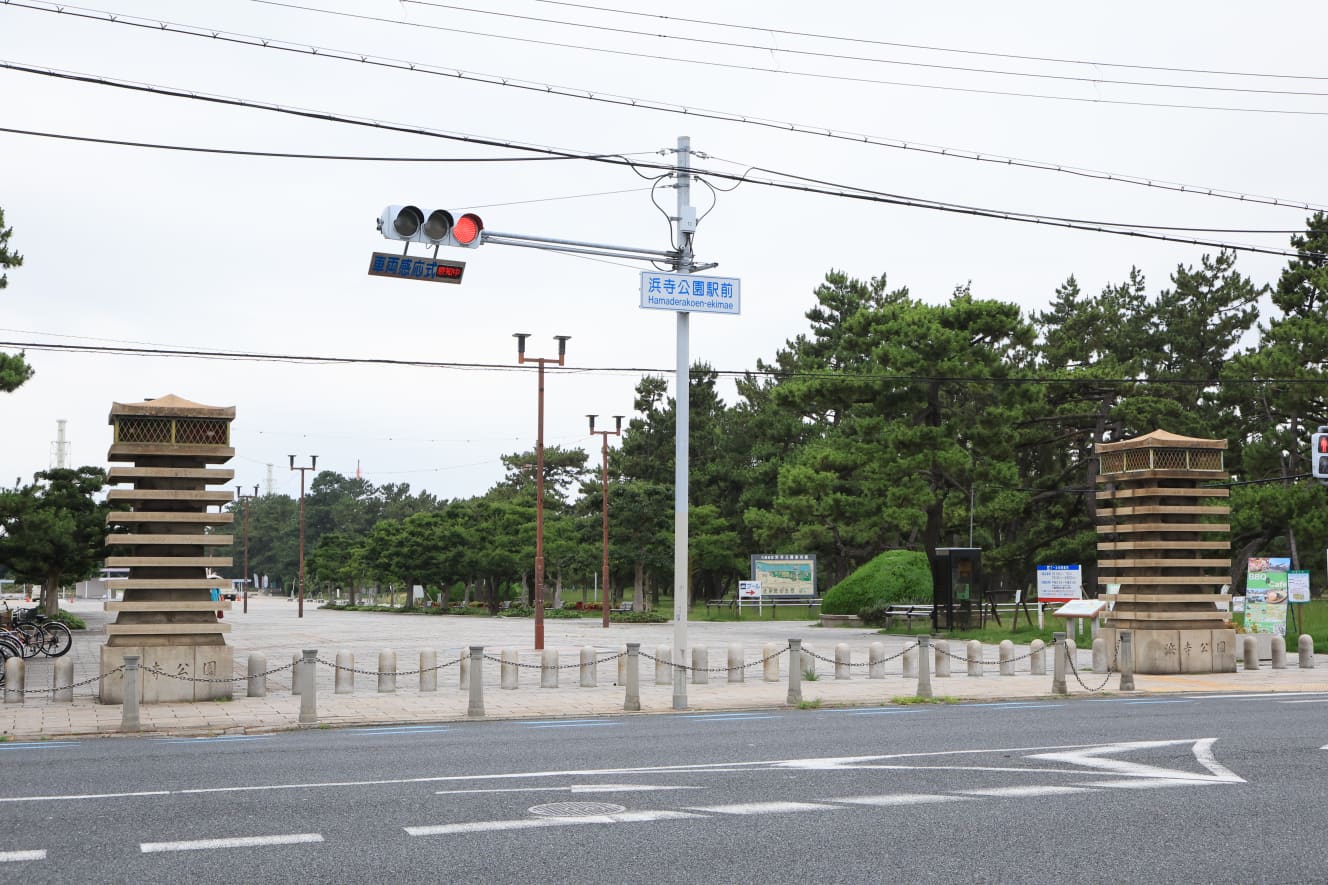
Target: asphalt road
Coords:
[(1196, 789)]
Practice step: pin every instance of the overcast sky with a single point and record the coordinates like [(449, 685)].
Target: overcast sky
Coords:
[(133, 246)]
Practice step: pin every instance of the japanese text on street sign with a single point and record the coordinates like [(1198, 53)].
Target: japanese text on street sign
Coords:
[(690, 293), (435, 270), (1059, 583), (749, 589)]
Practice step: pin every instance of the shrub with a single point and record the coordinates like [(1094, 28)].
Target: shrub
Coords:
[(894, 577), (70, 620), (649, 617)]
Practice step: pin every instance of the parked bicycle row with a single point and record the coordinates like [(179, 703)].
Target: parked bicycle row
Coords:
[(26, 633)]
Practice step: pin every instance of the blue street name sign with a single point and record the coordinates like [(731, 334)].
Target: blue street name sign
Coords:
[(436, 270), (690, 293)]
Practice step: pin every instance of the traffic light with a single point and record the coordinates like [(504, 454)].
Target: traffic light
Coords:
[(1319, 454), (434, 227)]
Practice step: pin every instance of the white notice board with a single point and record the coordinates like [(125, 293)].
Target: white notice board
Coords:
[(1059, 583)]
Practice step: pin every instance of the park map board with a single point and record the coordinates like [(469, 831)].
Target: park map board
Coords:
[(784, 575)]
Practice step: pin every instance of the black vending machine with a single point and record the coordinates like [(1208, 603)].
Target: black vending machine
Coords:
[(956, 581)]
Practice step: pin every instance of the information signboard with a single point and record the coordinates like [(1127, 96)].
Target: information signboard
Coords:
[(1059, 583), (1298, 587), (1266, 594), (690, 293), (785, 575), (1081, 608), (433, 270), (749, 589)]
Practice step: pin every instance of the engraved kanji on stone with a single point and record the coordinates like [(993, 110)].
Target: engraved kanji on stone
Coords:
[(209, 668), (1170, 649)]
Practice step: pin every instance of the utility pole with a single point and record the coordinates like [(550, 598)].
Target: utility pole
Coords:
[(244, 575), (604, 481), (313, 463), (521, 358), (682, 412)]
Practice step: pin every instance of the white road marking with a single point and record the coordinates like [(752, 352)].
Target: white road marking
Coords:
[(237, 842), (77, 796), (764, 808), (730, 718), (1023, 792), (1092, 757), (1309, 701), (38, 745), (881, 712), (490, 826), (1245, 695), (220, 739), (9, 856), (575, 724), (563, 721), (901, 799), (1150, 784), (400, 729), (575, 788)]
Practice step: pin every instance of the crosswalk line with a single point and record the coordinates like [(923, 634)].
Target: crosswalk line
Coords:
[(236, 842)]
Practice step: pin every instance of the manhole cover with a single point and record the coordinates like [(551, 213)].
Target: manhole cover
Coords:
[(577, 809)]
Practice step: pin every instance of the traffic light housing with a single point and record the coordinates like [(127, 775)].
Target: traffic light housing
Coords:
[(1319, 455), (433, 227)]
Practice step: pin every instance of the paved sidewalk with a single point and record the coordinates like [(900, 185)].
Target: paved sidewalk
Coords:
[(271, 628)]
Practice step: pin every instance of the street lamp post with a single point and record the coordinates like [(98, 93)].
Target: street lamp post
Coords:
[(521, 358), (604, 451), (244, 576), (313, 463)]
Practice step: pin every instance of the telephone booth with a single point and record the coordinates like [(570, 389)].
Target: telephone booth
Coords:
[(956, 578)]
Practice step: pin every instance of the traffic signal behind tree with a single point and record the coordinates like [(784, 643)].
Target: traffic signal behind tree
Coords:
[(1319, 455), (434, 227)]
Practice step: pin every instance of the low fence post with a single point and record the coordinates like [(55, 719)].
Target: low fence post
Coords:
[(255, 685), (1037, 657), (632, 703), (463, 669), (309, 687), (622, 664), (974, 656), (1099, 654), (924, 666), (344, 680), (1006, 653), (296, 664), (876, 660), (1279, 653), (1250, 653), (795, 672), (843, 661), (737, 672), (770, 655), (549, 668), (387, 671), (1126, 660), (663, 662), (1305, 650), (700, 665), (807, 663), (511, 675), (129, 710), (428, 670), (62, 681), (476, 707), (942, 658), (15, 676), (588, 674), (1058, 664)]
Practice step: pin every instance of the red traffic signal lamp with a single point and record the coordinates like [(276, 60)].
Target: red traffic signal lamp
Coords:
[(433, 227), (1319, 455)]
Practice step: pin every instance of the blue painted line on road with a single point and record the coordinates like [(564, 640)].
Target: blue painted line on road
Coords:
[(731, 717), (1142, 701), (1156, 702), (400, 729), (39, 745), (574, 724), (1012, 705), (882, 712), (563, 721)]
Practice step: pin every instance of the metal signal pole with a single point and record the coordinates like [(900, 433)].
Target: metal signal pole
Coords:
[(244, 584), (604, 452), (313, 463)]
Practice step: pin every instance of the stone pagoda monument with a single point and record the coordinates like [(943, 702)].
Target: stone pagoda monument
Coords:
[(1163, 531), (167, 615)]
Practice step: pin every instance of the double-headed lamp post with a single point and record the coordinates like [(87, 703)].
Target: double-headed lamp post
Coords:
[(313, 463), (521, 358), (244, 575), (604, 481)]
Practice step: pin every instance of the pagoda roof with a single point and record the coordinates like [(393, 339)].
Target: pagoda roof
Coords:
[(170, 406), (1162, 439)]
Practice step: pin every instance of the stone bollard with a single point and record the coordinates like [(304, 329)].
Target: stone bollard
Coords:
[(807, 661), (1037, 657), (549, 668), (795, 673), (1058, 664), (974, 649), (910, 662), (129, 708), (476, 705), (1305, 650), (295, 683), (344, 681), (428, 670), (387, 672), (1250, 653), (632, 677), (770, 659), (256, 685), (924, 666), (663, 660), (1099, 655), (1126, 664), (1006, 652), (737, 670), (943, 658), (309, 688), (62, 681), (15, 675), (876, 660), (1279, 653), (588, 675), (511, 675), (1072, 651), (843, 661), (700, 665), (622, 664)]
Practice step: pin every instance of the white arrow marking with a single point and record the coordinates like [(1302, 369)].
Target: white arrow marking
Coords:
[(1094, 757)]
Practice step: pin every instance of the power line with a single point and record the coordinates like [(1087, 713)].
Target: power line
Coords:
[(684, 110), (928, 48), (777, 374), (861, 194), (778, 50)]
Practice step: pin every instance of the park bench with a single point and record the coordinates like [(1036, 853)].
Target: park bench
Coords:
[(908, 613)]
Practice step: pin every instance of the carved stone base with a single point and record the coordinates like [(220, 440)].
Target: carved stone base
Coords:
[(193, 661), (1162, 652)]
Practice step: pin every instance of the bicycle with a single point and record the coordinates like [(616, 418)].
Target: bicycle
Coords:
[(48, 636)]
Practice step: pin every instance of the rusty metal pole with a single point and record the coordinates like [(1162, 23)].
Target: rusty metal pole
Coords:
[(244, 576), (313, 463), (604, 509)]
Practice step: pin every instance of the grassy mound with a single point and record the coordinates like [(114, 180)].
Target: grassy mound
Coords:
[(894, 577)]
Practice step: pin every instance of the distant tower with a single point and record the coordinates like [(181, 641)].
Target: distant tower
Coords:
[(166, 539), (60, 448), (268, 490)]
